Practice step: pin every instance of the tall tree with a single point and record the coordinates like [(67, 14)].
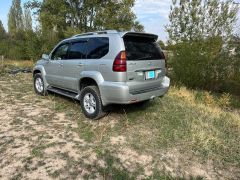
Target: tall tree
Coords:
[(90, 15), (2, 31), (193, 19), (15, 21), (115, 15), (199, 32), (63, 18), (3, 44), (27, 20), (53, 15)]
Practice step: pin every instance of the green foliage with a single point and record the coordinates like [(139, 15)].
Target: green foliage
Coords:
[(53, 15), (199, 32), (197, 19), (3, 37), (59, 19), (115, 15), (201, 64), (2, 31), (15, 18), (235, 47), (27, 20), (162, 44)]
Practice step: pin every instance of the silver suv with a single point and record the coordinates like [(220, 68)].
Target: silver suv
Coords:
[(103, 68)]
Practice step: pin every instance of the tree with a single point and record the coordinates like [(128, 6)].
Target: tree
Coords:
[(53, 15), (3, 37), (59, 19), (162, 44), (2, 31), (69, 15), (15, 22), (137, 27), (196, 19), (115, 15), (27, 20), (199, 34)]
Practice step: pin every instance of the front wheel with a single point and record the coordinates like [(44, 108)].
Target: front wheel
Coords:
[(39, 84), (91, 102)]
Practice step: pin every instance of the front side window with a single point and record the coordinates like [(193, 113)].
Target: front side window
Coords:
[(78, 50), (61, 52), (97, 47)]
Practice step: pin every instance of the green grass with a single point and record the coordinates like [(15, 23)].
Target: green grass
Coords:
[(209, 131)]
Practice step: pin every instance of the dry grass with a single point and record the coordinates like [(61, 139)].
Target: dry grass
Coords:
[(17, 63), (6, 65), (186, 134)]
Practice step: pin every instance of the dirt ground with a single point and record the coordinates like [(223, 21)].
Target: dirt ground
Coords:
[(48, 137)]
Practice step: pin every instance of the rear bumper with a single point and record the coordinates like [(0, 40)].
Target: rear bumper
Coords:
[(118, 93)]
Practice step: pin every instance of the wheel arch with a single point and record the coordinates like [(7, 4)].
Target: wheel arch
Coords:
[(36, 71), (90, 78), (86, 81), (40, 69)]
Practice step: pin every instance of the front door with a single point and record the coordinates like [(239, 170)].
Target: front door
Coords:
[(54, 67)]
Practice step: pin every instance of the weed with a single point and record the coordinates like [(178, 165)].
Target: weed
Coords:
[(224, 100)]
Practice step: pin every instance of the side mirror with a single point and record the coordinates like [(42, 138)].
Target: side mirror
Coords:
[(45, 57)]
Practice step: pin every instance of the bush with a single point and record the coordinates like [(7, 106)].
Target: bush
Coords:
[(201, 64)]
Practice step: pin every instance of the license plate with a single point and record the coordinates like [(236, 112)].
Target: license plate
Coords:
[(150, 74)]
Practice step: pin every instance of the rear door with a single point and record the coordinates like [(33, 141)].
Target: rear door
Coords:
[(97, 48), (74, 64), (145, 63)]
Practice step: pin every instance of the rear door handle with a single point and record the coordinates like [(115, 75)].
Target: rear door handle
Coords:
[(132, 64), (80, 65)]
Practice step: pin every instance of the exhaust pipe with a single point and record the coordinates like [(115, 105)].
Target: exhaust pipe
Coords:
[(153, 97)]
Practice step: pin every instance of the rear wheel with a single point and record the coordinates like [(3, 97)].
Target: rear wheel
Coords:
[(91, 102), (39, 84)]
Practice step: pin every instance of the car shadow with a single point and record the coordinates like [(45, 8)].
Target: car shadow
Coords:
[(113, 108)]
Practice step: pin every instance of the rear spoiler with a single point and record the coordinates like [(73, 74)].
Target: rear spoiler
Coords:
[(147, 35)]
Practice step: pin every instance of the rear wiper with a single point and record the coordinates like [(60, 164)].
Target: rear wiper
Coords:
[(145, 57)]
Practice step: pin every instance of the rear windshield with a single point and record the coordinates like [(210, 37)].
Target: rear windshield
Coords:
[(142, 48)]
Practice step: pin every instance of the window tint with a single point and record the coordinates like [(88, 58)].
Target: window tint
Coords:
[(78, 50), (60, 52), (97, 47), (141, 48)]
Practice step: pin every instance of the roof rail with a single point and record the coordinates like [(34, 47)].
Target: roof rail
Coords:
[(94, 33)]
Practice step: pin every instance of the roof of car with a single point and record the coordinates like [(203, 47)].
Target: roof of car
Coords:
[(121, 33)]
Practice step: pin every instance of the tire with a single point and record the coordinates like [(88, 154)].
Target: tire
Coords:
[(91, 103), (37, 82)]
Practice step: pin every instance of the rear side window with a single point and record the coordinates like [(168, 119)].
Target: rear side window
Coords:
[(97, 47), (142, 48), (78, 50), (61, 52)]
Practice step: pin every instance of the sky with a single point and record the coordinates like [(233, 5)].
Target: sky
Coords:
[(153, 14)]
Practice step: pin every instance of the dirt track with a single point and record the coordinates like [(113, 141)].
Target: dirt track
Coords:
[(38, 141)]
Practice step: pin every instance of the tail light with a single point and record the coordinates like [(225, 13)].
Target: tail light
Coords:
[(120, 62), (164, 57)]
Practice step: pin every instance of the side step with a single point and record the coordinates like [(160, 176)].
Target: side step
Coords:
[(64, 93)]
